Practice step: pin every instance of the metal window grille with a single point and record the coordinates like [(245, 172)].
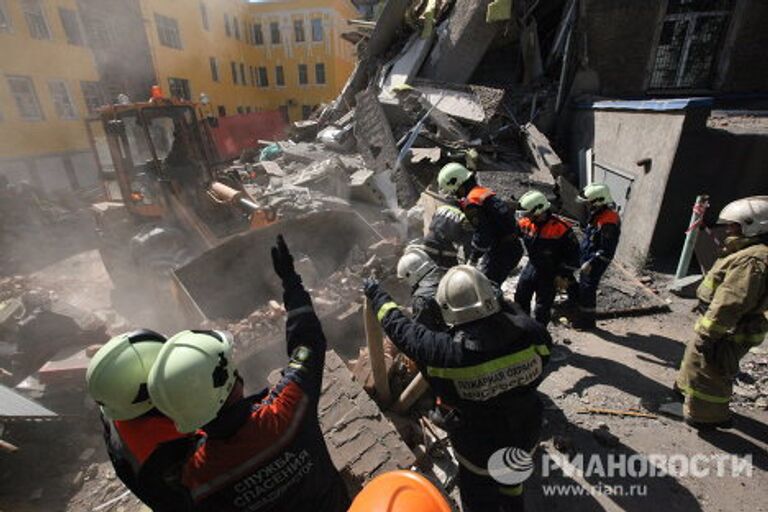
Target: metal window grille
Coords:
[(33, 13), (23, 91), (93, 95), (298, 29), (263, 77), (62, 102), (320, 73), (168, 31), (691, 38), (274, 30)]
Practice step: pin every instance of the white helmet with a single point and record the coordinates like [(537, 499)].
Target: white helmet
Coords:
[(596, 194), (465, 294), (414, 264), (193, 377), (751, 213)]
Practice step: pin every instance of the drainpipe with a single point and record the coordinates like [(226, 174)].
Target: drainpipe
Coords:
[(691, 235)]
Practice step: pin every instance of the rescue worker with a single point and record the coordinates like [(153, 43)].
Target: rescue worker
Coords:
[(400, 491), (448, 231), (423, 276), (144, 446), (485, 371), (733, 300), (264, 452), (553, 251), (496, 247), (601, 237)]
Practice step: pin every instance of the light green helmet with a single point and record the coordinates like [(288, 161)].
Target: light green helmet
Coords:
[(117, 374), (193, 377), (596, 194), (465, 295), (451, 177), (534, 202)]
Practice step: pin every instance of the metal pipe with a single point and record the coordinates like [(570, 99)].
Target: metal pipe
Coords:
[(411, 394), (375, 339), (691, 235)]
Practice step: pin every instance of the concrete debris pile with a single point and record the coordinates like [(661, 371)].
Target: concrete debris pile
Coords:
[(751, 387)]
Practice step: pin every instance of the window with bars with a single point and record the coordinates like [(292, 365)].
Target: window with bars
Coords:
[(93, 95), (214, 68), (303, 79), (168, 31), (274, 31), (233, 64), (252, 72), (279, 76), (204, 16), (71, 24), (317, 29), (242, 74), (298, 30), (320, 73), (179, 88), (62, 101), (23, 91), (5, 19), (691, 39), (258, 37), (38, 25), (263, 77)]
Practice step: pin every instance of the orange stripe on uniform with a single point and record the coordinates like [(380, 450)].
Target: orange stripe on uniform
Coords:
[(142, 435), (607, 216), (478, 195)]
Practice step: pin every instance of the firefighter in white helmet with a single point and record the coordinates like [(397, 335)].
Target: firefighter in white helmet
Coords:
[(423, 275), (733, 301), (485, 371)]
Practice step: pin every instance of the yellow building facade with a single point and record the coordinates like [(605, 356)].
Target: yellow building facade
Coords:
[(60, 59)]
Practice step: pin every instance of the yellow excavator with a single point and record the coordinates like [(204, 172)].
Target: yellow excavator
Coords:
[(181, 223)]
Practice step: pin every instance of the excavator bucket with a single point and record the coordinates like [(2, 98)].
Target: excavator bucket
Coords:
[(235, 278)]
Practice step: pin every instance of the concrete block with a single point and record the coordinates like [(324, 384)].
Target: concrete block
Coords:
[(686, 287), (363, 188), (407, 64), (541, 152), (462, 42)]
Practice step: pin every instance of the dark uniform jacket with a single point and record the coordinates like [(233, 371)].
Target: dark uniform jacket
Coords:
[(448, 230), (480, 366), (147, 453), (426, 311), (267, 452), (552, 245), (601, 236), (491, 217)]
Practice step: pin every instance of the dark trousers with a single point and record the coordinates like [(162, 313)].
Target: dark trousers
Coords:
[(542, 284), (502, 259), (584, 292), (477, 437)]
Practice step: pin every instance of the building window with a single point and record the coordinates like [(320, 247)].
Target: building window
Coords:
[(71, 26), (214, 68), (274, 31), (279, 76), (252, 72), (306, 111), (236, 27), (258, 37), (298, 30), (234, 72), (242, 74), (320, 73), (248, 109), (240, 110), (93, 96), (204, 16), (227, 27), (284, 112), (168, 31), (98, 33), (222, 111), (179, 88), (23, 91), (62, 101), (691, 38), (317, 29), (38, 25), (247, 32), (303, 80), (263, 77), (5, 19)]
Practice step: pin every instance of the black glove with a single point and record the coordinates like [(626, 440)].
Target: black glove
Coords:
[(707, 347), (282, 261), (370, 287)]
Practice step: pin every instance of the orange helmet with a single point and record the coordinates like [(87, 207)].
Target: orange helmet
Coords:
[(400, 491)]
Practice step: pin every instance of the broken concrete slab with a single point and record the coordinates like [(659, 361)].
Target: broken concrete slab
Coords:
[(541, 152), (406, 65), (328, 176), (373, 133), (687, 286), (431, 155), (622, 294), (461, 44), (304, 130), (363, 188), (303, 152)]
